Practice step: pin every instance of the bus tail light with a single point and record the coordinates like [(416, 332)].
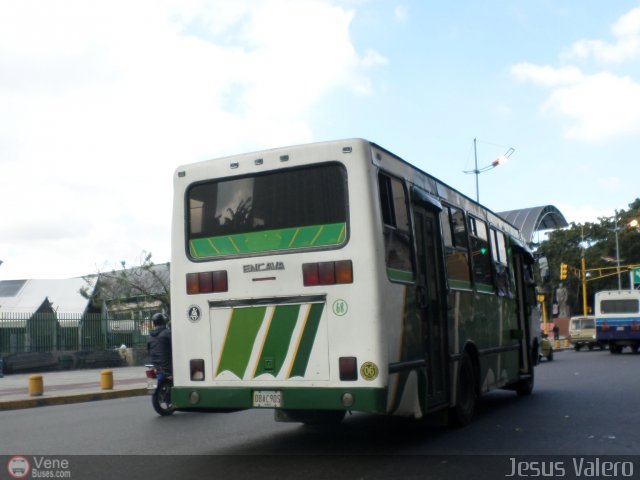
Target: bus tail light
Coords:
[(344, 271), (605, 326), (348, 368), (327, 273), (207, 282), (196, 367), (634, 326)]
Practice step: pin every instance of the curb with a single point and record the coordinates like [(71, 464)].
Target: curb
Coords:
[(68, 399)]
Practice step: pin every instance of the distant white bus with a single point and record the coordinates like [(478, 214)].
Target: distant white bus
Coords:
[(618, 319), (334, 277)]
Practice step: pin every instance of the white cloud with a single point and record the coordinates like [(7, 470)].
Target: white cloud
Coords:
[(102, 100), (598, 107), (582, 213), (601, 107), (546, 75), (626, 47)]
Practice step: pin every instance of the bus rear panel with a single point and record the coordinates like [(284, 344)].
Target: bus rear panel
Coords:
[(618, 319), (276, 282)]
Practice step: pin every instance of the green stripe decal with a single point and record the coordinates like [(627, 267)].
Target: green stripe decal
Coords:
[(276, 344), (269, 240), (305, 342), (400, 275), (459, 284), (241, 335)]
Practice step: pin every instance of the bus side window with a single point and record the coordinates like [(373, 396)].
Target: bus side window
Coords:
[(480, 256), (501, 263), (397, 236), (454, 235), (530, 286)]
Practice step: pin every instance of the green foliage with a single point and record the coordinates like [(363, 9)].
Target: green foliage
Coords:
[(598, 240)]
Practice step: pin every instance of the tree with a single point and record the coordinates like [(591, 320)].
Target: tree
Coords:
[(133, 290), (598, 244)]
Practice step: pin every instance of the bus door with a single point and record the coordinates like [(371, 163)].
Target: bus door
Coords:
[(430, 293), (525, 298)]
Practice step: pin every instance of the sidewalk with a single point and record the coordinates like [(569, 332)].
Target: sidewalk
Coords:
[(70, 386)]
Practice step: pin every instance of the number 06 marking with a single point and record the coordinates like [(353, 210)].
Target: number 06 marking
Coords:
[(369, 371)]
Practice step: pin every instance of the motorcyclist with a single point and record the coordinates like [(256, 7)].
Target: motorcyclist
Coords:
[(159, 344)]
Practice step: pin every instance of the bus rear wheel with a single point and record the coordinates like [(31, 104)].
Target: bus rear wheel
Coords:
[(524, 387), (465, 407), (615, 349)]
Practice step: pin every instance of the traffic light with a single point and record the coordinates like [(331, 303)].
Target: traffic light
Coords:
[(564, 271)]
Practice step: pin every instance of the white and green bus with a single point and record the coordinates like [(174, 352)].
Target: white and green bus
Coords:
[(335, 277)]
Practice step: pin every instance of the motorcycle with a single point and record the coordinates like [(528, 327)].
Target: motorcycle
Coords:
[(160, 383)]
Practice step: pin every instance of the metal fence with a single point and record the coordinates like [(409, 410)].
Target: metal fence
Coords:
[(51, 332)]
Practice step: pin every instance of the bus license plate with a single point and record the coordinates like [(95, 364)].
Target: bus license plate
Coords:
[(267, 398), (620, 329)]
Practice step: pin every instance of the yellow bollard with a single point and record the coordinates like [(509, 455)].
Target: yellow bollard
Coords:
[(36, 385), (566, 342), (557, 344), (106, 380)]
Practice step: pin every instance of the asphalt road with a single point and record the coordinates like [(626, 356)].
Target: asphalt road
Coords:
[(584, 403)]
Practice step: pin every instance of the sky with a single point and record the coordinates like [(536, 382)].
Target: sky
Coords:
[(101, 101)]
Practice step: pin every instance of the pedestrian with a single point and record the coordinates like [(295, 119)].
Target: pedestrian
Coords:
[(159, 344), (556, 332)]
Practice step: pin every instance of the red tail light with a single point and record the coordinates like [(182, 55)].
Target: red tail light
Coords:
[(605, 326), (327, 273), (310, 274), (207, 282), (348, 368)]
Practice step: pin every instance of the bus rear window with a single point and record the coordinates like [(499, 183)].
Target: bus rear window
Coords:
[(281, 210), (619, 306)]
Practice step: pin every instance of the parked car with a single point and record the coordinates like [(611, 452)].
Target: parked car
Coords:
[(546, 349), (582, 333)]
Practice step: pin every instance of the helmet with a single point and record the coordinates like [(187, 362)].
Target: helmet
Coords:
[(159, 319)]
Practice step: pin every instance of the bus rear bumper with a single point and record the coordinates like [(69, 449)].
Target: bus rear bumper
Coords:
[(371, 400), (617, 334)]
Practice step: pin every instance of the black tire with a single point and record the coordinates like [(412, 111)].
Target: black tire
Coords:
[(535, 354), (577, 347), (615, 349), (525, 387), (161, 400), (550, 356), (462, 412)]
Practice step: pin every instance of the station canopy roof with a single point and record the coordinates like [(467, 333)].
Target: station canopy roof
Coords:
[(531, 220)]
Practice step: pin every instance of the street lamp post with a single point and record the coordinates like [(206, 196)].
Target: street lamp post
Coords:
[(618, 253), (477, 171)]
